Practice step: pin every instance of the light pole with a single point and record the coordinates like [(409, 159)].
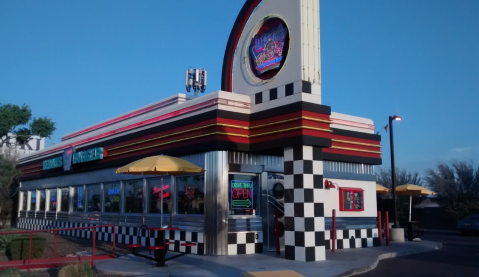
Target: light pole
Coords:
[(393, 169)]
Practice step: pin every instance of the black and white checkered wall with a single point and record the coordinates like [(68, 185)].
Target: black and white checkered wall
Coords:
[(304, 204), (245, 243), (284, 91), (355, 238), (124, 235)]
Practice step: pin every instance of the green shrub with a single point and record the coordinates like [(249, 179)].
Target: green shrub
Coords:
[(6, 239), (11, 272), (76, 270), (19, 247)]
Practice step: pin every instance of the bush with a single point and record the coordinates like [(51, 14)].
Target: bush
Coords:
[(76, 270), (19, 247), (11, 272), (5, 240)]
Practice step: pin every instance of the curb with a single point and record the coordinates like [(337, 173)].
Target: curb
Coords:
[(365, 269), (123, 273)]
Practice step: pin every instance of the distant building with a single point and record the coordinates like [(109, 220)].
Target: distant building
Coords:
[(35, 144)]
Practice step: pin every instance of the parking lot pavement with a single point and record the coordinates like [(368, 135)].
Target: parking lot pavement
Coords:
[(459, 256)]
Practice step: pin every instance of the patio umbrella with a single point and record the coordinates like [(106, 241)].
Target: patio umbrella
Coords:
[(412, 190), (381, 189), (160, 165)]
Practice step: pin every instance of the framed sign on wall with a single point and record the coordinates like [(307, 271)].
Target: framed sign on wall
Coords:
[(351, 199)]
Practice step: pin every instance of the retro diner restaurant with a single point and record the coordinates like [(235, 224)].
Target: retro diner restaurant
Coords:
[(265, 140)]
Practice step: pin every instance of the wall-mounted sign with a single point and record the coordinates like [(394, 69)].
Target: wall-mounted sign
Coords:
[(53, 163), (268, 45), (162, 191), (67, 159), (89, 155), (78, 157), (115, 191), (241, 194)]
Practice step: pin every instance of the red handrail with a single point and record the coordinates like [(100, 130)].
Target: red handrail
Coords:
[(386, 225), (55, 231), (380, 229)]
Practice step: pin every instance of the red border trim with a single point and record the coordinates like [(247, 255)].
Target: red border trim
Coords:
[(120, 118), (245, 13), (212, 102), (341, 199), (351, 123)]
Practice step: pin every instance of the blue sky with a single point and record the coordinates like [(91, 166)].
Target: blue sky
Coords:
[(81, 62)]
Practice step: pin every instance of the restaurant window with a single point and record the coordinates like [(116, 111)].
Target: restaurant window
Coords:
[(351, 199), (94, 198), (78, 200), (133, 196), (65, 199), (112, 197), (52, 205), (33, 200), (243, 194), (42, 200), (156, 191), (191, 194), (24, 200)]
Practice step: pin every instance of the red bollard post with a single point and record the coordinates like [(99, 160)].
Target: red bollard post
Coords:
[(276, 232), (55, 246), (380, 229), (386, 223), (333, 232), (93, 250), (114, 238), (30, 252)]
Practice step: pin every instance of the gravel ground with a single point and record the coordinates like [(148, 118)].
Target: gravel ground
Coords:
[(71, 245)]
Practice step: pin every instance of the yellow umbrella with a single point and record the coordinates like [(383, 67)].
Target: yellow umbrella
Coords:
[(381, 189), (412, 190), (160, 165)]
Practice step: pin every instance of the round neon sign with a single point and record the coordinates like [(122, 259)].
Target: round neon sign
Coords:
[(269, 48)]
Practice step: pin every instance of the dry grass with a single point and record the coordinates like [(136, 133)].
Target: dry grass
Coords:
[(76, 270)]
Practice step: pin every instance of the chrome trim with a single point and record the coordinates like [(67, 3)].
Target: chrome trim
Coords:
[(216, 203)]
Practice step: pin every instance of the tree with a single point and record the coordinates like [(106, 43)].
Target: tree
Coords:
[(18, 127), (457, 187), (8, 178), (403, 177)]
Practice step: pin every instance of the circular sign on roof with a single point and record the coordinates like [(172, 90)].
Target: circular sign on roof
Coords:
[(269, 48)]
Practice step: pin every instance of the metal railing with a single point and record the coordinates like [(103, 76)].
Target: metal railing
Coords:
[(56, 261)]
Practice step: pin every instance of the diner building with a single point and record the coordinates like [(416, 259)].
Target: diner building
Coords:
[(266, 141)]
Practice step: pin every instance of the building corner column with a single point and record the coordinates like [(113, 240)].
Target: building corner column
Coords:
[(304, 204)]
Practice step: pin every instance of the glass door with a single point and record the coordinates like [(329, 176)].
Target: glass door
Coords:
[(274, 198)]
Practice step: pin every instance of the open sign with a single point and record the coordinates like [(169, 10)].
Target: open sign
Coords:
[(241, 194)]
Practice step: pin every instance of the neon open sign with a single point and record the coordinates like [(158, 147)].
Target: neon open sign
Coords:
[(161, 191), (241, 194)]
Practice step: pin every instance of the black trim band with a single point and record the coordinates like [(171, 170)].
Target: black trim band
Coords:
[(354, 134), (290, 108), (351, 159)]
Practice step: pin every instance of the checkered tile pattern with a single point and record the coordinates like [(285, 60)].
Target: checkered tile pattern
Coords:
[(245, 243), (286, 90), (304, 204), (124, 235), (355, 238)]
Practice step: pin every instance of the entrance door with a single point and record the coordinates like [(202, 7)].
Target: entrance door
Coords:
[(273, 195)]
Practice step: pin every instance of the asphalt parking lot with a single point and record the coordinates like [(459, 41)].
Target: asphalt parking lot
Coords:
[(459, 256)]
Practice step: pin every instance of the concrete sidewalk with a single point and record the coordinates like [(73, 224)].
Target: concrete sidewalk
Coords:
[(345, 262)]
